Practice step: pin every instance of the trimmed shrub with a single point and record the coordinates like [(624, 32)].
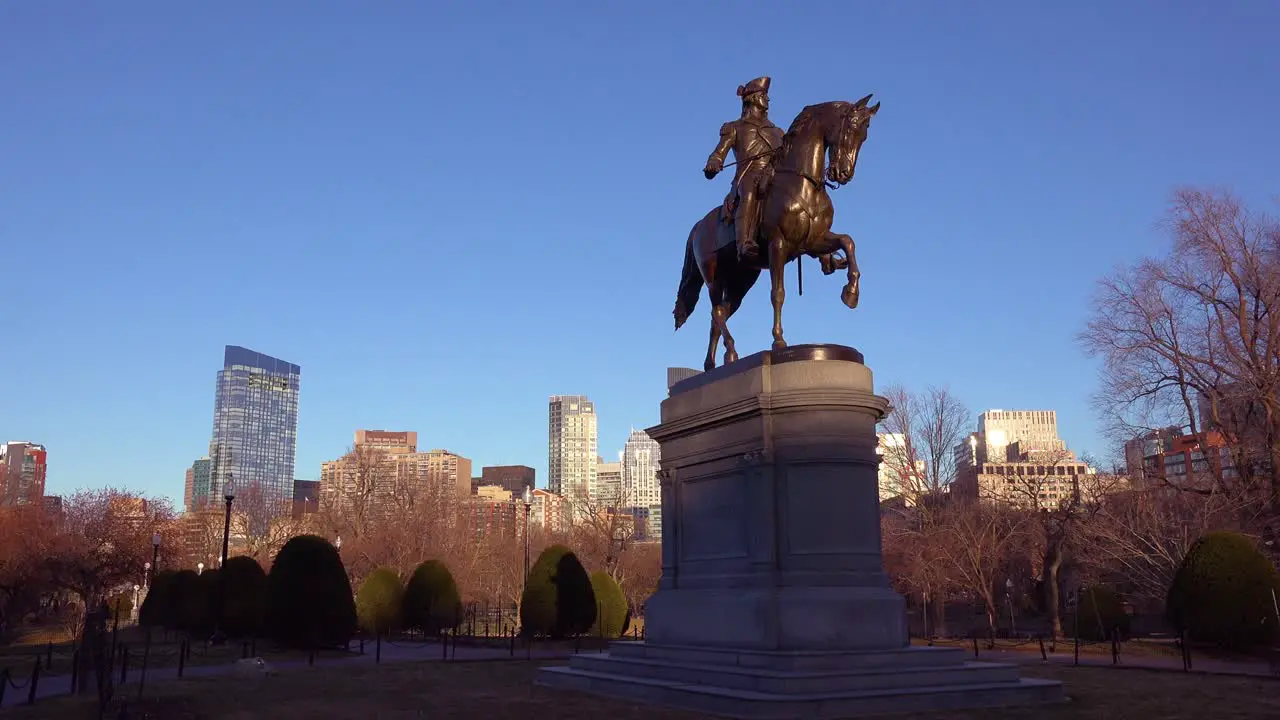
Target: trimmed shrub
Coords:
[(1100, 611), (243, 585), (185, 601), (380, 601), (201, 607), (558, 600), (431, 601), (1222, 593), (157, 607), (309, 600), (611, 606), (121, 606)]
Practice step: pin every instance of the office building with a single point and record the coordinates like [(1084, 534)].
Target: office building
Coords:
[(24, 467), (608, 484), (385, 471), (900, 475), (571, 446), (676, 374), (195, 495), (255, 427), (1035, 432), (393, 442), (512, 478), (306, 498), (641, 461)]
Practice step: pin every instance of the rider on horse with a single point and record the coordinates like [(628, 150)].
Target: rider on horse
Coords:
[(753, 139)]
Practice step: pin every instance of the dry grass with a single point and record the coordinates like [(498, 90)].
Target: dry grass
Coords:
[(487, 690)]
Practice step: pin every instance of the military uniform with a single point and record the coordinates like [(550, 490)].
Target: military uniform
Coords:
[(753, 141)]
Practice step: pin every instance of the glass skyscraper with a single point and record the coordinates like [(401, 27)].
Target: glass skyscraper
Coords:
[(255, 427)]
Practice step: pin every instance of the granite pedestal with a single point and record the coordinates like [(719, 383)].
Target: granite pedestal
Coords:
[(773, 601)]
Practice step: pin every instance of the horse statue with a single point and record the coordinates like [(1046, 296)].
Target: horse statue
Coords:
[(795, 220)]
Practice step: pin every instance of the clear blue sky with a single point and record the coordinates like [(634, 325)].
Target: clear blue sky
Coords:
[(428, 205)]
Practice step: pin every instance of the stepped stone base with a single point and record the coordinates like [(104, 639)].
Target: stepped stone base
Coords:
[(798, 684)]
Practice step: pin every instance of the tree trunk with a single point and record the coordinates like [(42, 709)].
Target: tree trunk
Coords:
[(938, 605), (1049, 583), (989, 600)]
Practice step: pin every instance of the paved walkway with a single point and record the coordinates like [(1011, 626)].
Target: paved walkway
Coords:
[(1065, 656), (57, 685)]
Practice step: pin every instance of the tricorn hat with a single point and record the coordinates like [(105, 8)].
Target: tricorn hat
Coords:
[(760, 84)]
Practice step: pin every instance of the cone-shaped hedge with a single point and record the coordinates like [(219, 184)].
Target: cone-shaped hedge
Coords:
[(157, 608), (1222, 592), (185, 601), (309, 600), (611, 606), (431, 600), (244, 597), (379, 604), (558, 600)]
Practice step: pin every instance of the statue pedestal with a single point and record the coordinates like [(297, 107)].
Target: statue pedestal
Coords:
[(773, 601)]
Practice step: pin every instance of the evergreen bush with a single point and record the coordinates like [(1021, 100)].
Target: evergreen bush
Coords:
[(431, 601), (611, 606), (309, 599), (157, 608), (1222, 593), (380, 601), (185, 601), (558, 600), (243, 584)]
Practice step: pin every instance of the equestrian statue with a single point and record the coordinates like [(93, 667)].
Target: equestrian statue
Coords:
[(777, 209)]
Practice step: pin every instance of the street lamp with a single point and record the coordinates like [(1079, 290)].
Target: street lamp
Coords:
[(337, 543), (528, 504), (199, 568), (1008, 598), (218, 637), (146, 574), (155, 554)]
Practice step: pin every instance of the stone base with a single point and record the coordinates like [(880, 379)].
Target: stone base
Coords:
[(799, 684)]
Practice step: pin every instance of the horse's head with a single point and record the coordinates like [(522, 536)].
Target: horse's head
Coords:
[(844, 137)]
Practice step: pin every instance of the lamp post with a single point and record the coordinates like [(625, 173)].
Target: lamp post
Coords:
[(1008, 598), (146, 575), (155, 555), (199, 568), (528, 505), (218, 638), (337, 543)]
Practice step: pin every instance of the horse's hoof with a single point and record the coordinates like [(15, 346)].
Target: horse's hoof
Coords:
[(779, 344), (849, 296), (730, 357), (708, 366)]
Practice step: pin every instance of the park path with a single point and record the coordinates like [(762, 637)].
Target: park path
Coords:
[(50, 686), (1204, 665)]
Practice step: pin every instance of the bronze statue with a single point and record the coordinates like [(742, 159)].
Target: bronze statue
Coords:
[(753, 139), (795, 219)]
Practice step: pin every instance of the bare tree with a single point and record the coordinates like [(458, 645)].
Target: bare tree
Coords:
[(357, 489), (981, 538), (1142, 536), (603, 531), (104, 541), (929, 426), (1200, 329)]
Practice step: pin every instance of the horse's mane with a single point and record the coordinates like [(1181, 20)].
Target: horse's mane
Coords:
[(810, 115)]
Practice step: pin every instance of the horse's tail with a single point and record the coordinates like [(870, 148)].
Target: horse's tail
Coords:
[(690, 281)]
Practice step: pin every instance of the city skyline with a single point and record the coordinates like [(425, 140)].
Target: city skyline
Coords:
[(169, 197)]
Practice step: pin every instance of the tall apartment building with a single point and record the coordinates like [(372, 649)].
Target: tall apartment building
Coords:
[(641, 461), (24, 467), (1027, 483), (195, 495), (255, 426), (571, 446), (608, 483), (384, 468)]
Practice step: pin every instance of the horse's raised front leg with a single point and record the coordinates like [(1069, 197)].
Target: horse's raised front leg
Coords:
[(777, 264), (852, 288)]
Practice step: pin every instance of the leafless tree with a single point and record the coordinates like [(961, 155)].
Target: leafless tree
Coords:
[(603, 530), (981, 538), (1200, 325)]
